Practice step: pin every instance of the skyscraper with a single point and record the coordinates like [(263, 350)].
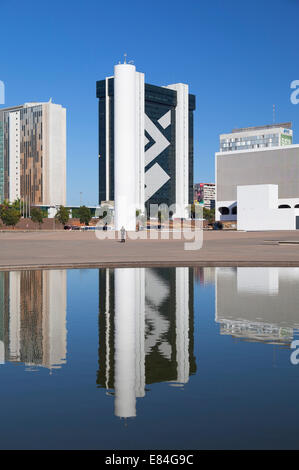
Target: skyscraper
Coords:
[(33, 153), (160, 148)]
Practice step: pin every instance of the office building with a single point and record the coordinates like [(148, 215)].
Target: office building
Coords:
[(273, 135), (205, 194), (145, 143), (33, 154)]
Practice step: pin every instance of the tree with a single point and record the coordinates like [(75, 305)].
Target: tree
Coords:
[(62, 215), (9, 215), (37, 216), (209, 215), (84, 215)]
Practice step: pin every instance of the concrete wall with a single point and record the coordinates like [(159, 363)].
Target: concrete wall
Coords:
[(278, 165), (182, 148), (258, 209), (54, 146)]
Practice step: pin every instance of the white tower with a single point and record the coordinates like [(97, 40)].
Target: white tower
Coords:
[(125, 343), (125, 149)]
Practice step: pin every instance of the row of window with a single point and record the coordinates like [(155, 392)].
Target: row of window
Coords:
[(234, 210), (250, 138)]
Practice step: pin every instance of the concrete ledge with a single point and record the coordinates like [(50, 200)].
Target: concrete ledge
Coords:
[(168, 264)]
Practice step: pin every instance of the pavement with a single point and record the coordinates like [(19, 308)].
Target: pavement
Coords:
[(71, 249)]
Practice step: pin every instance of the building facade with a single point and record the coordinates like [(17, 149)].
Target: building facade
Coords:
[(205, 194), (273, 135), (161, 119), (33, 154), (268, 166)]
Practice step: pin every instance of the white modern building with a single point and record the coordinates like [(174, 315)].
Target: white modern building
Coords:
[(145, 145), (33, 154), (273, 135), (258, 209), (265, 166)]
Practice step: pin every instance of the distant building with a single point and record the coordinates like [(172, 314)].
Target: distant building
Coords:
[(145, 141), (205, 194), (33, 153), (273, 135), (278, 166)]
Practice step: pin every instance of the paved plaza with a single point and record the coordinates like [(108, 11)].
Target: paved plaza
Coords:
[(82, 249)]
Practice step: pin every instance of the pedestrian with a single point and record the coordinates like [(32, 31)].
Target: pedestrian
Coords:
[(123, 234)]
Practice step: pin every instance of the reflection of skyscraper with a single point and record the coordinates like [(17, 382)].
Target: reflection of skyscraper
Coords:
[(258, 304), (146, 331), (33, 317)]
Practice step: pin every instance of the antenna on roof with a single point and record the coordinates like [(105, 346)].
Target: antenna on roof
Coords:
[(50, 100), (274, 113), (125, 55)]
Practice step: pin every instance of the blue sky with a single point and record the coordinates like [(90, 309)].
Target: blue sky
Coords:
[(238, 57)]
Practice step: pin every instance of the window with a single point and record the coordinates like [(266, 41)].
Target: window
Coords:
[(223, 210)]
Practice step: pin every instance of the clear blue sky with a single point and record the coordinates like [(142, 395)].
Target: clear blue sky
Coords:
[(238, 57)]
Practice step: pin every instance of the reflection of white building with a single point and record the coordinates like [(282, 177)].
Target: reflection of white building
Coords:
[(146, 331), (33, 317), (259, 304)]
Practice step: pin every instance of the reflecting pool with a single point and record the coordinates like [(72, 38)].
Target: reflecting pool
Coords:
[(150, 358)]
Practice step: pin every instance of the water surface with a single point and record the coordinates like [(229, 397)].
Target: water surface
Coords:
[(149, 358)]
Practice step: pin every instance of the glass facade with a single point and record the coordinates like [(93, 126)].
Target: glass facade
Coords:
[(246, 140), (158, 101), (31, 153), (29, 136), (249, 142)]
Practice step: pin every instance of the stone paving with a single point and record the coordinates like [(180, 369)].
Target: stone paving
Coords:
[(25, 250)]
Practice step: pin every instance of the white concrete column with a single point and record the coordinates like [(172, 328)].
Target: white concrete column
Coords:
[(14, 156), (125, 343), (182, 149), (140, 110), (125, 138), (140, 331), (182, 323)]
